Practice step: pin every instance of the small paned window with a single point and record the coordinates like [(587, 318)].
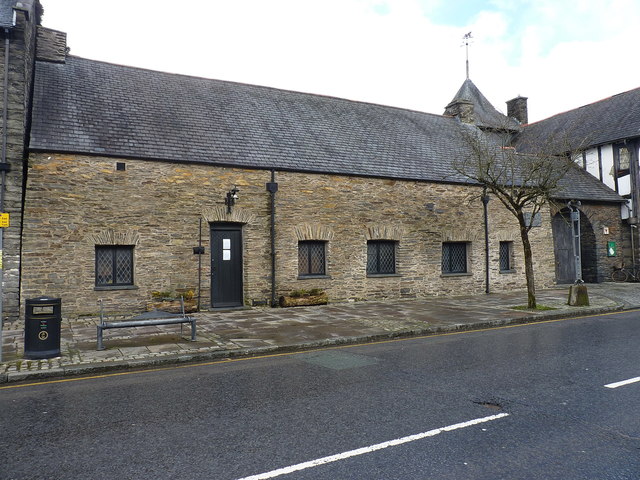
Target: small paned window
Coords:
[(454, 257), (381, 257), (311, 258), (622, 158), (114, 265), (506, 252)]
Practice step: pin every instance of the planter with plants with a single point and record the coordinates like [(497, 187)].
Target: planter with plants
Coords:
[(298, 298), (169, 301)]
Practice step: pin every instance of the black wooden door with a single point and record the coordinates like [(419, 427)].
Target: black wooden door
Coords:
[(226, 265), (562, 242)]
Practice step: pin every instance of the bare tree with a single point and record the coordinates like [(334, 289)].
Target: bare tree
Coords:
[(522, 183)]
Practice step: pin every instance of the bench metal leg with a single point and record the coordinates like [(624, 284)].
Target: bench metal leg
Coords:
[(99, 335), (193, 330), (100, 346)]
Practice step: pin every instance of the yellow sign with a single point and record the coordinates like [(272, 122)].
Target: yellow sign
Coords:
[(4, 220)]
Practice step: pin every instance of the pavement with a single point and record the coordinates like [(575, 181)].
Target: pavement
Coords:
[(263, 330)]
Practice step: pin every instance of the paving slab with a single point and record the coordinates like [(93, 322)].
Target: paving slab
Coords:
[(265, 330)]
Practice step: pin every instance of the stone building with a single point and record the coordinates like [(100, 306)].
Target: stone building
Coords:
[(122, 181), (608, 134), (588, 133)]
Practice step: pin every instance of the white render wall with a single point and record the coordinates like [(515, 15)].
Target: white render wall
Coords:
[(606, 159), (593, 167), (601, 167)]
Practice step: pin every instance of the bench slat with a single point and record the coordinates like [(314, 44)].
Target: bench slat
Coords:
[(143, 323)]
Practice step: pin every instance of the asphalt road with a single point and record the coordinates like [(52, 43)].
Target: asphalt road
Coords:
[(526, 402)]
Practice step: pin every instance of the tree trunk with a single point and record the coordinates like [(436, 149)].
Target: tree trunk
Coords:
[(528, 264)]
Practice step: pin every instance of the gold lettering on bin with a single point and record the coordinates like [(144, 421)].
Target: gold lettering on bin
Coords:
[(43, 335), (43, 310)]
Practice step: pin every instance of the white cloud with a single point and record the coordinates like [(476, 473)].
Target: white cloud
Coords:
[(560, 54)]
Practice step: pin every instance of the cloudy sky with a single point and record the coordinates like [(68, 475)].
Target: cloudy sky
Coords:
[(407, 53)]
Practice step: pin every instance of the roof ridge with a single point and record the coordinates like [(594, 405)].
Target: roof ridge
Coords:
[(585, 105), (253, 85)]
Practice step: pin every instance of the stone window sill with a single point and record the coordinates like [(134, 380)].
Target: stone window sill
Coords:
[(116, 287), (508, 271), (447, 275), (382, 275), (312, 277)]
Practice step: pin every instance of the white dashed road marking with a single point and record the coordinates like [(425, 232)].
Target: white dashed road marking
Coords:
[(371, 448), (623, 382)]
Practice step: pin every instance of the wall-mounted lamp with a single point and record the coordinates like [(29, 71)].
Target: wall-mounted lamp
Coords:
[(232, 196)]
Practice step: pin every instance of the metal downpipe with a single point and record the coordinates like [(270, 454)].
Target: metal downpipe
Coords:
[(272, 188), (485, 203)]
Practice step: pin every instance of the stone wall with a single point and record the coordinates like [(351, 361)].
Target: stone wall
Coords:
[(601, 218), (19, 76), (74, 203), (420, 216)]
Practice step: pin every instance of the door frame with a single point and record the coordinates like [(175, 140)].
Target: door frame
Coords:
[(216, 256), (562, 236)]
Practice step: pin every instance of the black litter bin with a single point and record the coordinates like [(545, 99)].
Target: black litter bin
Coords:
[(42, 327)]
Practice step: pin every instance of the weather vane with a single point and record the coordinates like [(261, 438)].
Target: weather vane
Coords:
[(466, 40)]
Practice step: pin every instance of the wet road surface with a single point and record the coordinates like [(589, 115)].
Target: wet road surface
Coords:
[(525, 402)]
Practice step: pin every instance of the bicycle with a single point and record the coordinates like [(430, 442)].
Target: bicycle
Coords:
[(623, 274)]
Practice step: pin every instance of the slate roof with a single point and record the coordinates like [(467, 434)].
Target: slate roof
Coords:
[(578, 184), (86, 106), (484, 112), (606, 121), (92, 107)]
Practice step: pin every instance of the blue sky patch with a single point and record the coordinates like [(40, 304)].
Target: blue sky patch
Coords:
[(382, 8), (457, 13)]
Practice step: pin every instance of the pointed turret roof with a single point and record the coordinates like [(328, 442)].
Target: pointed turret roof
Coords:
[(485, 114)]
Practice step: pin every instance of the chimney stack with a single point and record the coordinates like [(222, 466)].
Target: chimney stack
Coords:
[(517, 108), (51, 45)]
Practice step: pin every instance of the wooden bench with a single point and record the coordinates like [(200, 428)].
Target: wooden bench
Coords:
[(145, 319)]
